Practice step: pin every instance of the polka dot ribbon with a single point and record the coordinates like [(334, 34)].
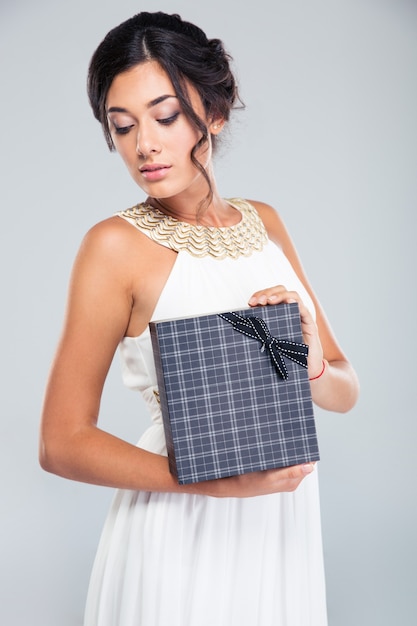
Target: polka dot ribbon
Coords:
[(256, 328)]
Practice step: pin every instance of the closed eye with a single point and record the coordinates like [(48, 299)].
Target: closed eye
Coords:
[(122, 130), (166, 121)]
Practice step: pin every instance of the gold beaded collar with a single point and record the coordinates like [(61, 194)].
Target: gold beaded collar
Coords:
[(248, 236)]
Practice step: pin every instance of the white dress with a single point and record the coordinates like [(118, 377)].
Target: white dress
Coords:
[(169, 559)]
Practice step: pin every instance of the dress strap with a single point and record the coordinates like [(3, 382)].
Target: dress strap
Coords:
[(242, 239)]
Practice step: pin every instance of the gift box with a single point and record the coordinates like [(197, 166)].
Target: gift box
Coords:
[(234, 392)]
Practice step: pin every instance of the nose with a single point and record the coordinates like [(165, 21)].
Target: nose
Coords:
[(147, 142)]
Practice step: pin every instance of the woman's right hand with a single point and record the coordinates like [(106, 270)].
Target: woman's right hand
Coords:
[(262, 483)]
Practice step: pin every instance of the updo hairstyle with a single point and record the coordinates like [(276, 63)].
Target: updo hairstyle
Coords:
[(182, 50)]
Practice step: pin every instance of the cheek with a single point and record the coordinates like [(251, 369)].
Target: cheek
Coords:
[(185, 137), (203, 154)]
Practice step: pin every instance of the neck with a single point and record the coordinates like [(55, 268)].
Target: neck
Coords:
[(213, 212)]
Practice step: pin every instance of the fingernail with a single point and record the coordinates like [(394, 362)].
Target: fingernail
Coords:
[(252, 301), (308, 468)]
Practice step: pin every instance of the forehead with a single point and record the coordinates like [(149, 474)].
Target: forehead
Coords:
[(142, 83)]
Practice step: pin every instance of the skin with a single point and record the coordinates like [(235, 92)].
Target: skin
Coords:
[(116, 281)]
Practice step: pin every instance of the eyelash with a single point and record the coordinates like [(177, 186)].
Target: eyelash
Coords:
[(165, 121), (122, 130), (168, 120)]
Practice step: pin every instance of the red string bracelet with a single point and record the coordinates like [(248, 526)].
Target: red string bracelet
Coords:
[(321, 373)]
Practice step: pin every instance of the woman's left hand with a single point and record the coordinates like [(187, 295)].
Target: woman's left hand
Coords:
[(278, 295)]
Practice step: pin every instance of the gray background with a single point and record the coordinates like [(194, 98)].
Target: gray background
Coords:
[(329, 137)]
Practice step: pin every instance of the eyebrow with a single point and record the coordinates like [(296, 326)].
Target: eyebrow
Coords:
[(150, 104)]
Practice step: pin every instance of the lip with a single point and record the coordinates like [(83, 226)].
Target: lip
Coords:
[(154, 171)]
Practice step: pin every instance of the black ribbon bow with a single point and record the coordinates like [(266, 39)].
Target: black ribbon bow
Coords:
[(256, 328)]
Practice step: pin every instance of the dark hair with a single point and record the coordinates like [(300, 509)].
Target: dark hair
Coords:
[(184, 53)]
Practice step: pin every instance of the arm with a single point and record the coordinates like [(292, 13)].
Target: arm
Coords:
[(337, 388), (103, 306)]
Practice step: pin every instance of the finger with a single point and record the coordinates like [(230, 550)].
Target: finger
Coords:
[(297, 471), (268, 295), (280, 297), (289, 478), (276, 297)]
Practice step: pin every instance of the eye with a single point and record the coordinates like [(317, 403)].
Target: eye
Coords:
[(122, 130), (166, 121)]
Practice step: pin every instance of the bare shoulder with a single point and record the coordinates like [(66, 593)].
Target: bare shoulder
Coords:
[(117, 246), (112, 237), (130, 267), (263, 207)]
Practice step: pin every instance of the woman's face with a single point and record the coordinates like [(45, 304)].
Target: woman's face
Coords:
[(152, 134)]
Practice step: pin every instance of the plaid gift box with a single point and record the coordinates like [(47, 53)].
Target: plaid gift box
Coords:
[(233, 400)]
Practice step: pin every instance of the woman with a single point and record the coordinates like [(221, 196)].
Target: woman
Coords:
[(243, 550)]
